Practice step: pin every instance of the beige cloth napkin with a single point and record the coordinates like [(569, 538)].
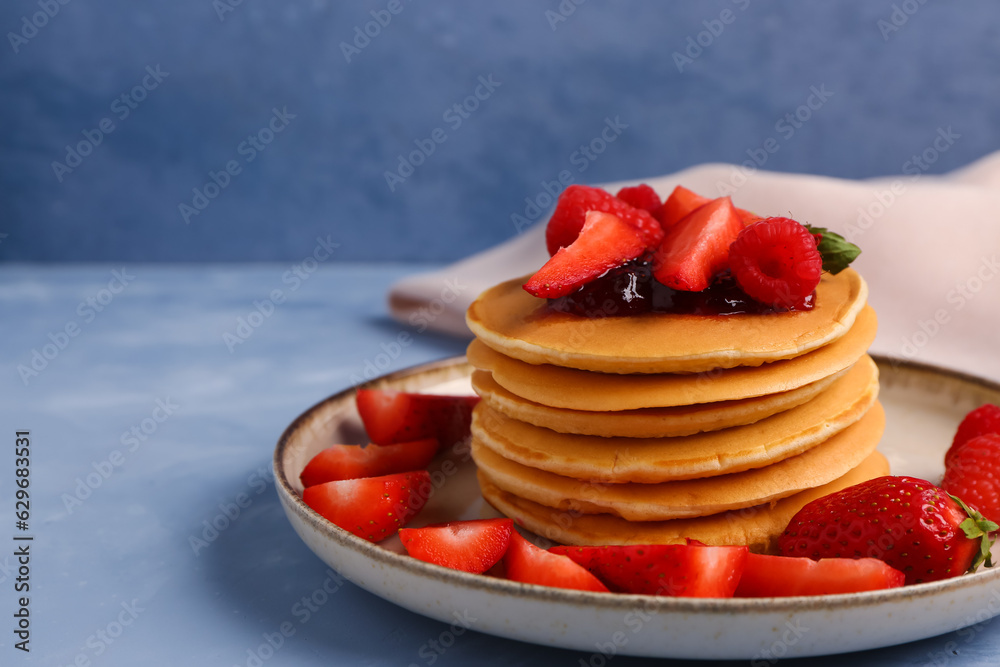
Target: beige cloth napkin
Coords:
[(930, 253)]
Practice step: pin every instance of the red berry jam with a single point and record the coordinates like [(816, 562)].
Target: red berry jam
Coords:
[(631, 289)]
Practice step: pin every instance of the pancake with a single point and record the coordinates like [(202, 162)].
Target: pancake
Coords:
[(521, 326), (646, 422), (654, 460), (583, 390), (819, 465), (758, 527)]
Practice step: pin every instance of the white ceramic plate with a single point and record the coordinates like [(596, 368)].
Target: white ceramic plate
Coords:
[(923, 406)]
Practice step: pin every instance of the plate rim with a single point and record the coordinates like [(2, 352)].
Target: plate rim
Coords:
[(606, 601)]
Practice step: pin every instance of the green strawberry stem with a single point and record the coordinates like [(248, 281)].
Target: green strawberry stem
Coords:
[(977, 527)]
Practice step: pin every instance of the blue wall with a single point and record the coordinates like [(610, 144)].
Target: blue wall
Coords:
[(324, 172)]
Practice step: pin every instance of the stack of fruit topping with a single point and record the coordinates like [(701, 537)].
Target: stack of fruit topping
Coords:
[(632, 253)]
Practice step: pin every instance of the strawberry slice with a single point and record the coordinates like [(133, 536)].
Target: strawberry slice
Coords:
[(373, 508), (392, 417), (697, 247), (571, 213), (353, 461), (682, 202), (604, 243), (783, 576), (527, 563), (677, 570), (472, 546)]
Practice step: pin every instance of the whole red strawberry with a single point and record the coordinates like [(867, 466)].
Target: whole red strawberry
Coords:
[(981, 421), (776, 262), (908, 523), (973, 474), (571, 212)]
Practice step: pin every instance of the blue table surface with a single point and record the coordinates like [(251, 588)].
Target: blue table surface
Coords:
[(117, 574)]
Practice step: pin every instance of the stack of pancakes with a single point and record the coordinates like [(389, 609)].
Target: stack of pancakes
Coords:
[(660, 427)]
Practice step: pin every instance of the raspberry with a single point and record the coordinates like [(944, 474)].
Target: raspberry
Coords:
[(981, 421), (571, 211), (776, 262), (641, 196), (973, 474)]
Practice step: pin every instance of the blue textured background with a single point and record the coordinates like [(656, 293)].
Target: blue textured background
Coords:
[(324, 174)]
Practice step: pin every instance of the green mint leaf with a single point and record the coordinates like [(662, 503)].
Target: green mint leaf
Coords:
[(837, 252)]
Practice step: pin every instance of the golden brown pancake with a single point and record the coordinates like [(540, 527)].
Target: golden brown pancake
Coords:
[(758, 527), (654, 460), (814, 467), (646, 422), (521, 326), (584, 390)]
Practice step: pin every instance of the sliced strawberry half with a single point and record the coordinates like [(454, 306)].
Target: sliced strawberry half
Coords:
[(783, 576), (682, 202), (353, 461), (472, 546), (373, 508), (527, 563), (676, 570), (571, 213), (604, 243), (392, 417), (697, 247)]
